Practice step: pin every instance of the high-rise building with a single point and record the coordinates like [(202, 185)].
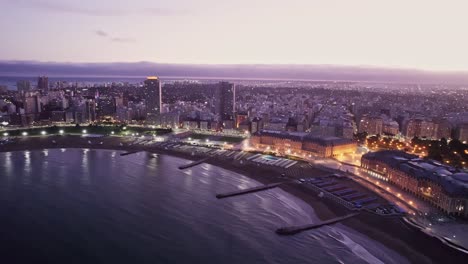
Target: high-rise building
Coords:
[(31, 104), (419, 127), (225, 100), (152, 91), (23, 86), (90, 110), (106, 106), (43, 83), (462, 132), (371, 124)]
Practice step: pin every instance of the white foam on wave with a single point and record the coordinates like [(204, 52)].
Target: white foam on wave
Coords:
[(357, 249)]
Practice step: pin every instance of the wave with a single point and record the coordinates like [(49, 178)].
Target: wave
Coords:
[(357, 249)]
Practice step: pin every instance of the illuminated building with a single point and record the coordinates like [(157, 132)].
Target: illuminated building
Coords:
[(240, 118), (419, 127), (106, 106), (300, 143), (90, 110), (371, 125), (152, 91), (225, 101), (443, 186), (391, 128)]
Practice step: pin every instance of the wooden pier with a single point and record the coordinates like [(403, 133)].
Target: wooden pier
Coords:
[(249, 190), (291, 230)]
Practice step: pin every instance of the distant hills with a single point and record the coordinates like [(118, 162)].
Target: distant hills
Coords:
[(244, 71)]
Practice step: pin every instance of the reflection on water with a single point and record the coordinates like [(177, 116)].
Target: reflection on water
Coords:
[(95, 206)]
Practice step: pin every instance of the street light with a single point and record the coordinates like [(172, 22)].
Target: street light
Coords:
[(5, 134), (61, 132), (43, 132), (84, 131), (24, 133), (112, 132)]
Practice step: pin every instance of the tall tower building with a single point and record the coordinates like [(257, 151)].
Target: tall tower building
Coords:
[(43, 83), (31, 104), (90, 110), (23, 86), (152, 91), (225, 100)]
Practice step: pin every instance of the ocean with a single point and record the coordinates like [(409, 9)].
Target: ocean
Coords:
[(94, 206)]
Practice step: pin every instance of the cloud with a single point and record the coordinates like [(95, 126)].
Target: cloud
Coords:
[(60, 7), (104, 34), (101, 33), (122, 40)]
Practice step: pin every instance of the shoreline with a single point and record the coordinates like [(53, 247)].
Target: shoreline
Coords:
[(412, 244)]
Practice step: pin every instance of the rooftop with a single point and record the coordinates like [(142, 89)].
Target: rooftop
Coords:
[(452, 180), (304, 136)]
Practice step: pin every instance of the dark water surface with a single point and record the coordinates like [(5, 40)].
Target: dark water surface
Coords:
[(93, 206)]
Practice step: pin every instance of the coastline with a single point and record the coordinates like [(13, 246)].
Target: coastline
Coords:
[(414, 245)]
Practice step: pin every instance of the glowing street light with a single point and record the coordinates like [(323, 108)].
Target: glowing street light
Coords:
[(24, 133), (84, 131), (112, 133), (5, 134), (43, 133), (61, 132)]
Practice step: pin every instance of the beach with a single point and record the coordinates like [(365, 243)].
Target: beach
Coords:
[(392, 232)]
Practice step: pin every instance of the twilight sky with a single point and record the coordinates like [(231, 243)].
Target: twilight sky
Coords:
[(425, 34)]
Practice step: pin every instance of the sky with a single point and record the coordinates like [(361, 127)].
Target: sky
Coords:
[(421, 34)]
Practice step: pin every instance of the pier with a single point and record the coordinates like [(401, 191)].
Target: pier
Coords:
[(248, 190), (130, 152), (195, 163), (291, 230)]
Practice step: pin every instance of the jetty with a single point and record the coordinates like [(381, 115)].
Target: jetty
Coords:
[(130, 152), (195, 163), (248, 190), (291, 230)]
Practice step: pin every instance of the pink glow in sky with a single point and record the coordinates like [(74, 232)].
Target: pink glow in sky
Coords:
[(426, 34)]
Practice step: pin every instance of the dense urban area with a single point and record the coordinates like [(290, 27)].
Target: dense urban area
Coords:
[(406, 141)]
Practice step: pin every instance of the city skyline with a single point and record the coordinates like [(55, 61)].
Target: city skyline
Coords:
[(247, 131), (419, 35)]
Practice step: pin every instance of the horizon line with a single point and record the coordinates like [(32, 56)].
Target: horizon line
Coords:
[(365, 66)]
